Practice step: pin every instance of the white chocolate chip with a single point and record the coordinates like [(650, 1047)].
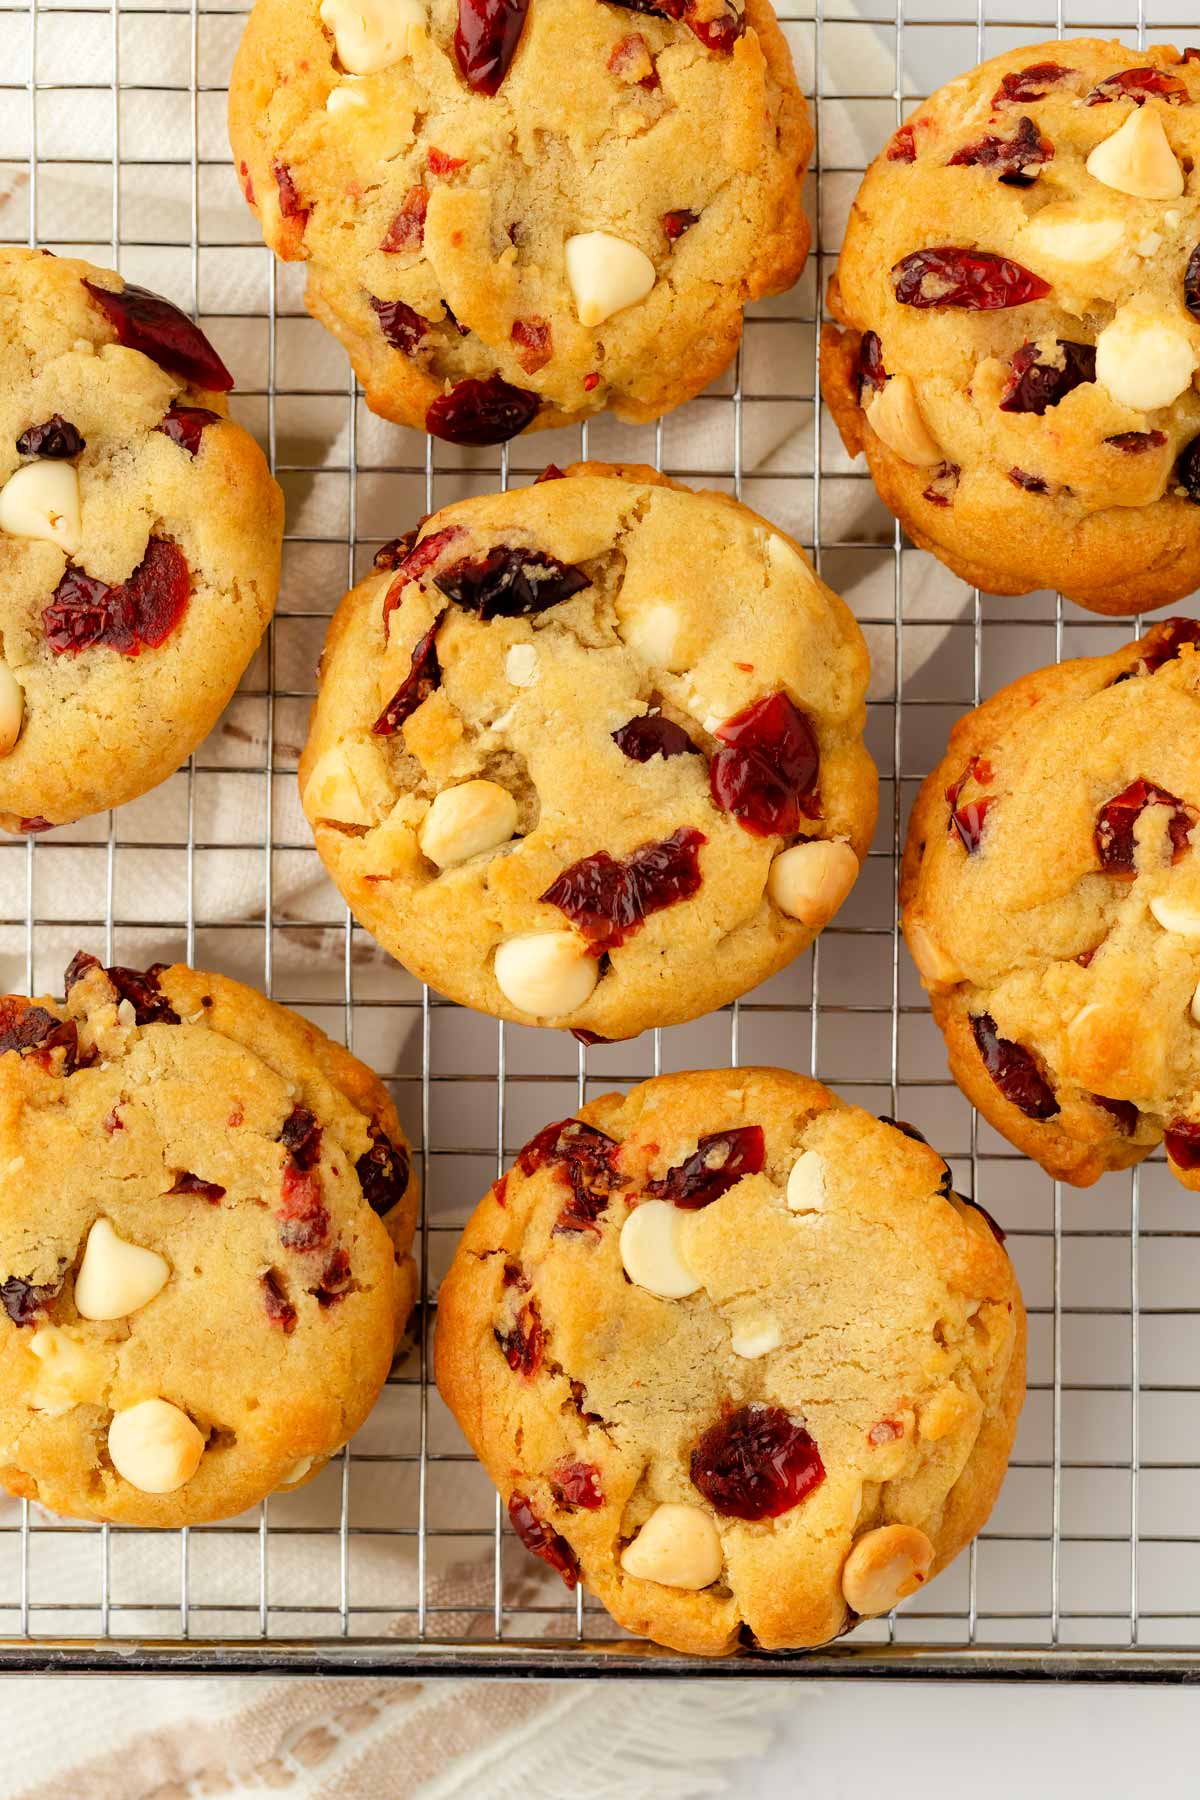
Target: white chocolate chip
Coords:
[(465, 821), (1174, 916), (895, 417), (806, 1183), (547, 974), (116, 1277), (521, 665), (810, 881), (1196, 1004), (345, 99), (884, 1567), (677, 1547), (1138, 159), (1171, 218), (938, 969), (653, 633), (297, 1472), (652, 1250), (1149, 245), (1144, 362), (373, 34), (126, 1014), (42, 501), (754, 1335), (12, 709), (606, 275), (784, 557), (70, 1372), (1060, 235), (332, 791), (154, 1446)]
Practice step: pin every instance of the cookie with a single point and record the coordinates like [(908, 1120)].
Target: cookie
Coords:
[(516, 213), (589, 753), (1018, 324), (1051, 895), (140, 536), (205, 1226), (736, 1358)]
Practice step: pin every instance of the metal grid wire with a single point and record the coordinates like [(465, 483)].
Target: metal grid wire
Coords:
[(112, 145)]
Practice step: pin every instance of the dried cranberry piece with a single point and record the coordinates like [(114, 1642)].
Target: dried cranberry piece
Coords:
[(576, 1484), (24, 1303), (542, 1540), (141, 989), (424, 678), (449, 319), (885, 1432), (756, 1463), (1010, 157), (524, 1346), (943, 485), (1182, 1142), (651, 735), (1033, 484), (186, 425), (407, 229), (303, 1219), (609, 900), (1033, 83), (301, 1138), (37, 824), (1123, 1112), (871, 372), (903, 148), (290, 203), (335, 1280), (514, 1276), (967, 821), (1014, 1070), (766, 772), (1033, 386), (1134, 443), (631, 61), (976, 280), (1136, 85), (1115, 842), (418, 559), (535, 344), (146, 322), (187, 1183), (718, 1163), (392, 554), (510, 583), (404, 329), (551, 472), (1191, 283), (57, 439), (1187, 471), (720, 33), (382, 1172), (279, 1308), (486, 40), (1190, 54), (586, 1158), (80, 965), (479, 413), (24, 1027), (675, 224), (1166, 640), (140, 614), (439, 163)]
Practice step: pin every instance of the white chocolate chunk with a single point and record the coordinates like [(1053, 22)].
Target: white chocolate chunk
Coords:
[(373, 34), (1060, 235), (754, 1335), (331, 791), (895, 417), (1148, 245), (652, 1250), (678, 1547), (345, 99), (1174, 915), (784, 557), (810, 881), (653, 633), (606, 275), (884, 1567), (521, 665), (297, 1472), (467, 820), (154, 1446), (42, 501), (806, 1183), (116, 1277), (938, 969), (70, 1372), (547, 974), (1144, 362), (1196, 1004), (1138, 159), (12, 709)]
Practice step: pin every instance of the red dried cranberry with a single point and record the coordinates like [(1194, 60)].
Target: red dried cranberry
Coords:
[(382, 1172), (675, 224), (438, 163), (651, 735), (967, 821), (514, 1276), (585, 1157), (589, 1039), (486, 40), (1123, 1112), (479, 413), (756, 1463), (146, 322), (720, 33), (1191, 283), (508, 583), (591, 382), (140, 614), (1134, 443), (576, 1484), (290, 204), (303, 1220), (24, 1027), (1033, 386), (766, 772), (407, 229), (404, 329), (186, 425), (1136, 85), (424, 678), (335, 1280), (1032, 484), (609, 900), (630, 55), (141, 989), (1033, 83), (24, 1303), (187, 1183), (542, 1540), (1187, 471), (1014, 1070), (1115, 842), (418, 560), (902, 148), (524, 1346), (392, 554), (1190, 54), (279, 1308), (535, 344), (301, 1138), (976, 280), (718, 1163), (551, 472), (1182, 1141), (57, 439), (1010, 157), (80, 965), (33, 826), (943, 485), (1166, 640), (871, 372)]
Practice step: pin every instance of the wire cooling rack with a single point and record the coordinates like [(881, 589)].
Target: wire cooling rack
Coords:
[(112, 145)]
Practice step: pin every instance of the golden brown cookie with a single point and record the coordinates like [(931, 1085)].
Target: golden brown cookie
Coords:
[(519, 212), (140, 535), (735, 1357), (205, 1221), (1018, 324), (592, 755)]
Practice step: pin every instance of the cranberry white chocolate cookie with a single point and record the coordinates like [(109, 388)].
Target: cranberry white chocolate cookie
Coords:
[(589, 753), (736, 1358), (1018, 324), (1052, 904), (140, 535), (206, 1211), (516, 213)]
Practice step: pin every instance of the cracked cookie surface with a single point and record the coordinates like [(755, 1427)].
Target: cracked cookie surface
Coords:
[(591, 755), (585, 236), (206, 1213), (140, 536), (1018, 324), (1051, 899), (831, 1395)]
